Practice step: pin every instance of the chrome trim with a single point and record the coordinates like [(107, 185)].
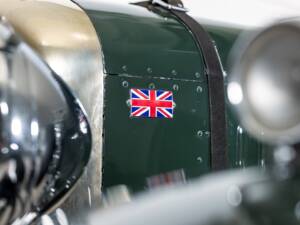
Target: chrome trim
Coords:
[(65, 38), (169, 6), (42, 125)]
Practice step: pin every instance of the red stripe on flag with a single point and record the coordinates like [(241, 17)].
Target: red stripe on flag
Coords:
[(153, 103), (150, 103)]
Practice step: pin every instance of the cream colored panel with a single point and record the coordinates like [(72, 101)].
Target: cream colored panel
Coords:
[(65, 38)]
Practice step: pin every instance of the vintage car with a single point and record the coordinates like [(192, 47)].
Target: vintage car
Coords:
[(132, 98), (264, 88)]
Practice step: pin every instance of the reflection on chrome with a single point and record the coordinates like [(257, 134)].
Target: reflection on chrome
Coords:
[(34, 128), (235, 94), (45, 138), (14, 146), (4, 108), (16, 126)]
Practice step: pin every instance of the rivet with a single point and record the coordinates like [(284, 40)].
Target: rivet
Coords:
[(124, 68), (200, 159), (197, 74), (174, 72), (200, 133), (199, 89), (149, 70), (175, 87), (151, 86), (125, 84)]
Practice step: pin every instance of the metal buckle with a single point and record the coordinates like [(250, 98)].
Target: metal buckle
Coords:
[(169, 6)]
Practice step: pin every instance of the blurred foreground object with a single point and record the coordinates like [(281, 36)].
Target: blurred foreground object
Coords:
[(265, 83), (43, 128)]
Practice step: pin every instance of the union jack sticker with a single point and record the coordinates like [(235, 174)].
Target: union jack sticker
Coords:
[(151, 103)]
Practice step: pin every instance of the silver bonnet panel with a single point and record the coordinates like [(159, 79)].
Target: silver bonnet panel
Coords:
[(62, 34)]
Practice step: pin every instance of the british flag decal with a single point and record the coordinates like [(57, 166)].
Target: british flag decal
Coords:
[(151, 103)]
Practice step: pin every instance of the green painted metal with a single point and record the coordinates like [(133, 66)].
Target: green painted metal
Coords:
[(136, 149), (144, 49), (141, 43)]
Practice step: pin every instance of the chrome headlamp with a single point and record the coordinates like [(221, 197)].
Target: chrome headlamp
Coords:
[(265, 83), (45, 138)]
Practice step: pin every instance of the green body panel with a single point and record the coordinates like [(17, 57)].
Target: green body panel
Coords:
[(141, 43), (136, 149), (143, 49)]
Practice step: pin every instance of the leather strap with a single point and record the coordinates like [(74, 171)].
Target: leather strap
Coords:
[(215, 82)]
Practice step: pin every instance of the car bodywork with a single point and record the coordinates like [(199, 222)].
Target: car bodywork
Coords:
[(152, 49), (101, 52)]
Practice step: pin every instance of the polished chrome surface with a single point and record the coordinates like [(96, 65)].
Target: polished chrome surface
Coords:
[(64, 37), (42, 125), (169, 6), (265, 84)]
